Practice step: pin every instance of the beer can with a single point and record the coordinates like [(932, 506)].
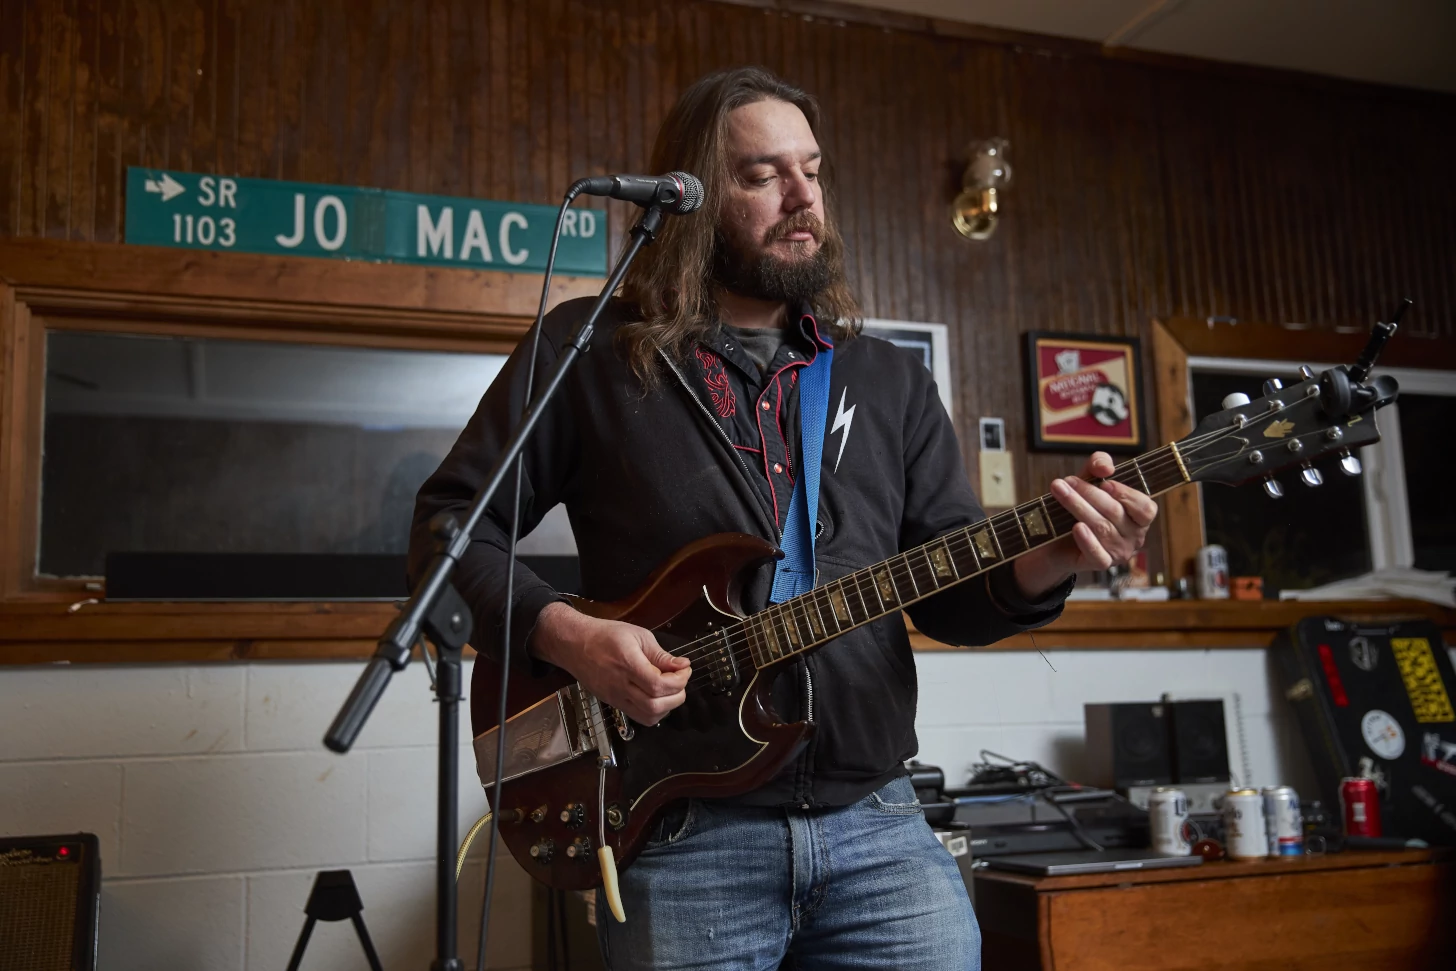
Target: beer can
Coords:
[(1360, 803), (1167, 817), (1282, 821), (1212, 573), (1243, 824)]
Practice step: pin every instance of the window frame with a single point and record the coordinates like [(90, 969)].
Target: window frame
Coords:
[(1387, 510)]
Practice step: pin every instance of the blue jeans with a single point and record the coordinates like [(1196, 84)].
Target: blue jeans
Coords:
[(738, 887)]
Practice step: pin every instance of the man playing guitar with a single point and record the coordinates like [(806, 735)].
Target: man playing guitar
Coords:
[(684, 422)]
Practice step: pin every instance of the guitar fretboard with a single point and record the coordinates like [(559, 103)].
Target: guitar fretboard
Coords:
[(811, 619)]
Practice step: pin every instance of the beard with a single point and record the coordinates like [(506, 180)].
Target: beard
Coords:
[(763, 275)]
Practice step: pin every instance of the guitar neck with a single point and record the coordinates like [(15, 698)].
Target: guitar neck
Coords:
[(810, 620)]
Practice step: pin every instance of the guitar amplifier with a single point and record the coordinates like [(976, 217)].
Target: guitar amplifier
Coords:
[(50, 900), (1378, 698)]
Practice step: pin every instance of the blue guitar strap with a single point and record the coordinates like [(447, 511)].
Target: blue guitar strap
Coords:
[(794, 574)]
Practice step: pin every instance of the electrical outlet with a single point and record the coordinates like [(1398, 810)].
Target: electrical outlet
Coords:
[(998, 484)]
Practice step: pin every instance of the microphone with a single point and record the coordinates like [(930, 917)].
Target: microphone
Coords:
[(676, 192)]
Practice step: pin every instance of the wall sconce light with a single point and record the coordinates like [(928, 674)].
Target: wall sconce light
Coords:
[(975, 210)]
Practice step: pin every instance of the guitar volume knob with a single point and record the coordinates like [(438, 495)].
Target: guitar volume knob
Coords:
[(579, 849), (574, 815), (543, 850)]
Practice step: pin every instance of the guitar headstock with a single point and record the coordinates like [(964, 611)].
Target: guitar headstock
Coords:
[(1320, 415)]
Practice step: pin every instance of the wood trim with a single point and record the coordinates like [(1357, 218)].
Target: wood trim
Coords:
[(1196, 624), (41, 632), (65, 285), (1057, 46), (1176, 339), (1181, 511), (1201, 338), (156, 276)]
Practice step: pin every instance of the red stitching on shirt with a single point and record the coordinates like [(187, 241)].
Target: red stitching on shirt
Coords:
[(724, 401)]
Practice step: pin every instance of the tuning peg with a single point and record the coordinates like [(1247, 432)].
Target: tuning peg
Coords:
[(1349, 464), (1310, 476), (1305, 372), (1235, 400), (1272, 488), (1272, 385)]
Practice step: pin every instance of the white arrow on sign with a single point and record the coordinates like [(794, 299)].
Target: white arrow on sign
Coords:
[(169, 187)]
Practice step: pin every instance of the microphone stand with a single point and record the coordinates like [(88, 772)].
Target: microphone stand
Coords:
[(437, 611)]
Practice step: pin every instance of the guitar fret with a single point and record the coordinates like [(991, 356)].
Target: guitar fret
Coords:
[(875, 586), (814, 602), (905, 558), (839, 604), (942, 562), (1141, 478), (1022, 528), (970, 547), (930, 572)]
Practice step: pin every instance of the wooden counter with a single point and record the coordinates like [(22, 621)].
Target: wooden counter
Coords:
[(1366, 910)]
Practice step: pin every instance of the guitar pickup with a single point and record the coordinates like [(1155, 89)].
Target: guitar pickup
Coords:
[(722, 669)]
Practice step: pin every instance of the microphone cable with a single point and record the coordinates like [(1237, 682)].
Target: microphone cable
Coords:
[(505, 661)]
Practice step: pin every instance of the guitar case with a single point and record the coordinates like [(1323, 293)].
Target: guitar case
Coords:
[(1382, 694)]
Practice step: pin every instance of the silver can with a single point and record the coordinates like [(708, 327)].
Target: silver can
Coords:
[(1168, 818), (1243, 824), (1282, 821), (1212, 572)]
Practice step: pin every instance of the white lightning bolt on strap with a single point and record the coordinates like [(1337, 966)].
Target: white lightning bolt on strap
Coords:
[(842, 419)]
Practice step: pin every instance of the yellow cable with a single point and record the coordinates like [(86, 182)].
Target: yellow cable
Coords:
[(465, 846)]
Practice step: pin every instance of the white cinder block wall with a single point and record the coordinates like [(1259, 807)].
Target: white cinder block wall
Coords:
[(216, 803)]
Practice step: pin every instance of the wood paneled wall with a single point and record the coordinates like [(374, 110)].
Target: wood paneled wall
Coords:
[(1142, 190)]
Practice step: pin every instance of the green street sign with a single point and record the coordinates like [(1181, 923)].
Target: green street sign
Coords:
[(193, 211)]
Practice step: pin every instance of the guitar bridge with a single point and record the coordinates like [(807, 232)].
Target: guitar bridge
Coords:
[(558, 728)]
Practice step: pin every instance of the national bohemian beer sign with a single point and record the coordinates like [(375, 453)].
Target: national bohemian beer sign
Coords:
[(194, 211)]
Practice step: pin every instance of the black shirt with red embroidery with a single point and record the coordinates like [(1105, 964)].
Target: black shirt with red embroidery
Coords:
[(759, 411)]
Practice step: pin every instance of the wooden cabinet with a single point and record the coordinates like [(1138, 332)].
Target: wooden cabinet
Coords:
[(1372, 910)]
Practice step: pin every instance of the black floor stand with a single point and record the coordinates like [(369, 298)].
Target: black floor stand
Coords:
[(437, 612), (334, 897)]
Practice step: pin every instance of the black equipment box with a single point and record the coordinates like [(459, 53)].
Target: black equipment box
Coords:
[(1379, 695)]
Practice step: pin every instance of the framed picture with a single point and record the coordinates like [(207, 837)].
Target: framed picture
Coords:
[(1084, 391), (929, 342)]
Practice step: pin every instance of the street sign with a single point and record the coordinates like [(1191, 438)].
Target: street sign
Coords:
[(194, 211)]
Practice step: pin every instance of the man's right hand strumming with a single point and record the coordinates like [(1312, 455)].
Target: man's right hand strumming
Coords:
[(622, 664)]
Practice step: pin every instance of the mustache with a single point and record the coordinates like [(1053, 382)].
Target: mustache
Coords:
[(800, 222)]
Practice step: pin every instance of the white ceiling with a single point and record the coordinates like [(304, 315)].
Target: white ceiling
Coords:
[(1403, 42)]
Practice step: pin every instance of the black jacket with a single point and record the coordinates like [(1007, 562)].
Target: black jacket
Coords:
[(644, 473)]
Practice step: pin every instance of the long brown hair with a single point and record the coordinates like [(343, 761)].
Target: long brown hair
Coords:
[(671, 280)]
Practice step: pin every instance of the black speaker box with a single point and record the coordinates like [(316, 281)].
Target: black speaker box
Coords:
[(1127, 745), (1199, 741), (50, 899)]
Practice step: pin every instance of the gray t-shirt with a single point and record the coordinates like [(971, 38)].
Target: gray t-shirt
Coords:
[(759, 343)]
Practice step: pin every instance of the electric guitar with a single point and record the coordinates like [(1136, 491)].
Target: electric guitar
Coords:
[(580, 775)]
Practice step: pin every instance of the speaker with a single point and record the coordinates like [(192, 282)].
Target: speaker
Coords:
[(1200, 744), (50, 899), (1127, 745)]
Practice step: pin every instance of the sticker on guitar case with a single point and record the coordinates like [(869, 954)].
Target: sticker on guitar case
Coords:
[(1422, 679), (1383, 734)]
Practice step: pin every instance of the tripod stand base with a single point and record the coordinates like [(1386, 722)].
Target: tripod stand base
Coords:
[(334, 897)]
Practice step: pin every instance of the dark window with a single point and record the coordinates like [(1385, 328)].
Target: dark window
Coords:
[(162, 444), (1310, 537), (1425, 437)]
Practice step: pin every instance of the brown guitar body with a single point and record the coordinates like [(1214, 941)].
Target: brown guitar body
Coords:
[(725, 740)]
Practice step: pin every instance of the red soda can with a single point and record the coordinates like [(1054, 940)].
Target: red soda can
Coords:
[(1360, 801)]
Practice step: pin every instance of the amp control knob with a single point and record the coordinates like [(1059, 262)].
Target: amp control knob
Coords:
[(542, 850), (574, 815)]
